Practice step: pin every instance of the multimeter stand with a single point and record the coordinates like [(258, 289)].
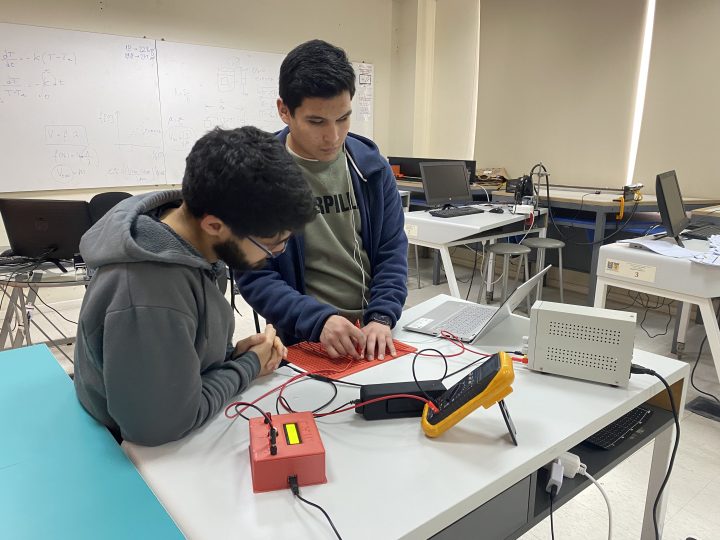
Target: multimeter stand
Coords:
[(508, 421), (484, 386)]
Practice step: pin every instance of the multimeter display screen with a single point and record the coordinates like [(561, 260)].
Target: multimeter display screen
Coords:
[(488, 369), (466, 389)]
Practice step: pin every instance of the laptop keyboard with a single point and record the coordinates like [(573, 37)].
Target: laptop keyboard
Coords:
[(703, 232), (456, 211), (468, 320)]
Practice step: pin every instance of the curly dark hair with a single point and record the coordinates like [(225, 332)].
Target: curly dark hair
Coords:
[(315, 69), (246, 178)]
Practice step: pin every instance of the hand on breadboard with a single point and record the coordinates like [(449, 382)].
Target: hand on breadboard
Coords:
[(313, 358)]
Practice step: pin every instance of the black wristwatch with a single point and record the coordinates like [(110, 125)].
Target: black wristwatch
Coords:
[(382, 319)]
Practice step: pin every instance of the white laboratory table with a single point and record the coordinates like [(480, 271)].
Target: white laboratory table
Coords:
[(422, 229), (385, 478), (678, 279)]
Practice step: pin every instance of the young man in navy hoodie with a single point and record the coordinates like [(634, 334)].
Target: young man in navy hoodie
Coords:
[(350, 265)]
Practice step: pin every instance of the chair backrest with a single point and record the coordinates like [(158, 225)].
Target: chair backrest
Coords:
[(102, 202)]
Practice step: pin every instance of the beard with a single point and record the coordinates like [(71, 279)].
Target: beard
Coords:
[(229, 253)]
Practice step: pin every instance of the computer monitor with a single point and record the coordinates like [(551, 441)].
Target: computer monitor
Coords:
[(445, 182), (670, 204), (45, 229), (410, 166)]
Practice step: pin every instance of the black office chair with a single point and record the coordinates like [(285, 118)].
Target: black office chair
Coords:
[(101, 203)]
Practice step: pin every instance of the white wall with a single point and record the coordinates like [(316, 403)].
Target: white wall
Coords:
[(557, 84), (434, 78), (363, 29), (682, 108), (402, 76), (455, 79)]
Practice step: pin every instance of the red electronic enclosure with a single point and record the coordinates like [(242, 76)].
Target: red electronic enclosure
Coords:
[(300, 452)]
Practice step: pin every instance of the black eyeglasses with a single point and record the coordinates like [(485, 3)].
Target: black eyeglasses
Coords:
[(270, 254)]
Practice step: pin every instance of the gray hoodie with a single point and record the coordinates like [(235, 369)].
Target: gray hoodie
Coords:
[(154, 354)]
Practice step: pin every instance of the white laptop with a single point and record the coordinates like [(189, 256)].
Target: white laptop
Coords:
[(470, 321)]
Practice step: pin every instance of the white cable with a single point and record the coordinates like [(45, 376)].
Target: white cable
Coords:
[(482, 256), (532, 223), (357, 250), (482, 275), (498, 279), (482, 264), (486, 193), (583, 471)]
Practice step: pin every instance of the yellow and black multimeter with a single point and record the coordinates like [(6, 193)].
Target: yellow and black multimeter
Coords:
[(483, 387)]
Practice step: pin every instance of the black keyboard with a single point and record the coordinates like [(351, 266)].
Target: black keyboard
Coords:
[(703, 232), (456, 211), (612, 435)]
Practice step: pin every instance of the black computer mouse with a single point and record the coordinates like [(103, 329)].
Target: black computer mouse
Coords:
[(497, 210)]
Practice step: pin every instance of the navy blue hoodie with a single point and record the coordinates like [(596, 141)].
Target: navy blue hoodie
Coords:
[(278, 291)]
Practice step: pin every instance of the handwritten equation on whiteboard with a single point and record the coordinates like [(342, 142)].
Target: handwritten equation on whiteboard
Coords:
[(84, 110), (33, 74), (364, 91), (96, 110)]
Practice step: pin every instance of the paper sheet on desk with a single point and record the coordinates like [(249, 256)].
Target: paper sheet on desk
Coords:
[(711, 257), (663, 246)]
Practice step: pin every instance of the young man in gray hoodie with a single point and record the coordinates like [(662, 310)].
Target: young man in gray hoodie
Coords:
[(154, 358)]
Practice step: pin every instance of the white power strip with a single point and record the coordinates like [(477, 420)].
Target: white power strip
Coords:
[(526, 209), (570, 464)]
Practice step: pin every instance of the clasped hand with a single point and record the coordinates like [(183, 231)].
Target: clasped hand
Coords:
[(268, 347)]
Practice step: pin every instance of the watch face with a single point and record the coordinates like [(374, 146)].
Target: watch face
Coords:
[(384, 319)]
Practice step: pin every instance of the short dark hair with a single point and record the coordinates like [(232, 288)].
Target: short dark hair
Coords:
[(315, 69), (246, 178)]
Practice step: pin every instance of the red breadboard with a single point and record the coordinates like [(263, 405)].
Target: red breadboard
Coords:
[(313, 358)]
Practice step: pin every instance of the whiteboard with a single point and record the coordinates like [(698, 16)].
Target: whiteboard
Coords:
[(229, 88), (77, 110), (85, 110), (362, 116)]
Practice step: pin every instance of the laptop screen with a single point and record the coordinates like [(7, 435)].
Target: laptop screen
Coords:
[(469, 321), (514, 300), (42, 228)]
